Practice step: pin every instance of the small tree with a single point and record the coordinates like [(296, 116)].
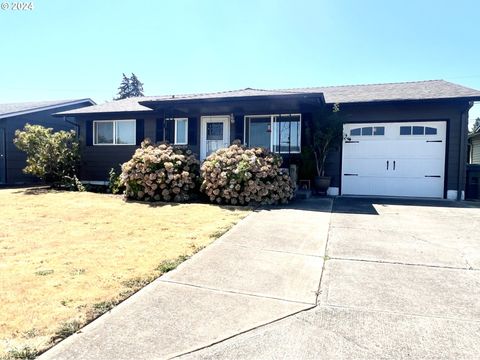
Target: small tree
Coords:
[(51, 156), (326, 135), (129, 87)]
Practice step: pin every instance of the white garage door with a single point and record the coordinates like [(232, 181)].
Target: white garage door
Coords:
[(394, 159)]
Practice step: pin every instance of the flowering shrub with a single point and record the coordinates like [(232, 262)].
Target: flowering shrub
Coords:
[(239, 175), (160, 173)]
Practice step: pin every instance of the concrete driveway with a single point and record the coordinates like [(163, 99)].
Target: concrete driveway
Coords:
[(266, 268), (401, 280)]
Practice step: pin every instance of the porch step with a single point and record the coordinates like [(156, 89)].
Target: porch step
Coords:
[(303, 194)]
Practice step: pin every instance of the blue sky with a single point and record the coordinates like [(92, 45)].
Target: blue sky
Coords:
[(79, 48)]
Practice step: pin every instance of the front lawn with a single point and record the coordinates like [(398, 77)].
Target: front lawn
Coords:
[(67, 257)]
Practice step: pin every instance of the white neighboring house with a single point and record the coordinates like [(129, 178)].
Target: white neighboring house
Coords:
[(474, 147)]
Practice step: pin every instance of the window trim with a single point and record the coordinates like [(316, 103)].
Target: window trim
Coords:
[(425, 127), (176, 132), (94, 132), (272, 116), (373, 127)]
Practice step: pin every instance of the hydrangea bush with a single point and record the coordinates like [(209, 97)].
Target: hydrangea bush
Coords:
[(240, 175), (160, 173)]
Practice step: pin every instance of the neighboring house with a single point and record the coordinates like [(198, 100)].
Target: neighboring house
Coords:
[(400, 139), (14, 116), (474, 147)]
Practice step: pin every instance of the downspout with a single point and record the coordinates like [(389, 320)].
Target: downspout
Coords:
[(462, 167)]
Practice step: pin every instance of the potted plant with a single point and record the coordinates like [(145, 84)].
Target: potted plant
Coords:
[(327, 135)]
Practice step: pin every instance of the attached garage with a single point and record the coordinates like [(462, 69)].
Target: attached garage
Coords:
[(394, 159)]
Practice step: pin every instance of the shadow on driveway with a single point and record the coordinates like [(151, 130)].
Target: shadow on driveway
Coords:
[(365, 205)]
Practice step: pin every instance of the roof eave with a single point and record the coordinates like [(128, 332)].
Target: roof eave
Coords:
[(44, 108), (386, 101), (153, 104)]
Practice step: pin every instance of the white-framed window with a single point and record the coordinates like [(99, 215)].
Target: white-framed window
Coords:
[(280, 133), (417, 130), (114, 132), (181, 131), (368, 131)]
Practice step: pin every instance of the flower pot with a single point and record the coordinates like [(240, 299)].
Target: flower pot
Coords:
[(322, 183)]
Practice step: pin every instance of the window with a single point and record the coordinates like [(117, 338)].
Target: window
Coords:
[(356, 132), (278, 133), (114, 132), (368, 131), (181, 131), (405, 130), (417, 130)]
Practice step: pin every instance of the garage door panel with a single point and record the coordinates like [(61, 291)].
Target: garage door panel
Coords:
[(418, 167), (355, 185), (367, 167), (396, 163), (368, 148)]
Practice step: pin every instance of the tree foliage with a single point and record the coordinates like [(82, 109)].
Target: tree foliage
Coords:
[(51, 156), (129, 87), (325, 135), (476, 125)]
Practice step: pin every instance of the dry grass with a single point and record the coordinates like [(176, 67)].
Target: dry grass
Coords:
[(66, 257)]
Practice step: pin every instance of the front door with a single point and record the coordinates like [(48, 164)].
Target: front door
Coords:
[(2, 156), (214, 134)]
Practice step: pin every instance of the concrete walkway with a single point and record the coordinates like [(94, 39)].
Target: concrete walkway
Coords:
[(402, 281), (266, 268)]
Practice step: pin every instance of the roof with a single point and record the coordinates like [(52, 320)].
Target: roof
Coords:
[(418, 90), (15, 109)]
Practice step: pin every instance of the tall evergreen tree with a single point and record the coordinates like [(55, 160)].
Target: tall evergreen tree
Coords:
[(124, 89), (136, 87), (129, 87)]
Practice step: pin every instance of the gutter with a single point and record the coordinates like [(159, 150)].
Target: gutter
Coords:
[(462, 163)]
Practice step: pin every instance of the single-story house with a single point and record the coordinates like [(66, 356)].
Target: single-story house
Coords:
[(14, 116), (400, 139), (474, 147)]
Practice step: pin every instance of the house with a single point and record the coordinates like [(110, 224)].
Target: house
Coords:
[(14, 116), (474, 147), (400, 139)]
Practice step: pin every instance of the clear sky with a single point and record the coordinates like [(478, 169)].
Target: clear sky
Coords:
[(79, 48)]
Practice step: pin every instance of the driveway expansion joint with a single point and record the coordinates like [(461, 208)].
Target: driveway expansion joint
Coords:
[(241, 333), (236, 292), (406, 264), (272, 250)]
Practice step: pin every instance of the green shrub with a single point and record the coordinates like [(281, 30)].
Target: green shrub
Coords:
[(160, 172), (51, 156), (115, 182), (67, 329), (239, 175), (25, 353)]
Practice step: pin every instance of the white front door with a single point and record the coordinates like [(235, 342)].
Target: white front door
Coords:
[(394, 159), (214, 134)]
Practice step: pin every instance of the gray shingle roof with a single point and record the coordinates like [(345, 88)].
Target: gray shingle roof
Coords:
[(418, 90), (13, 109)]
